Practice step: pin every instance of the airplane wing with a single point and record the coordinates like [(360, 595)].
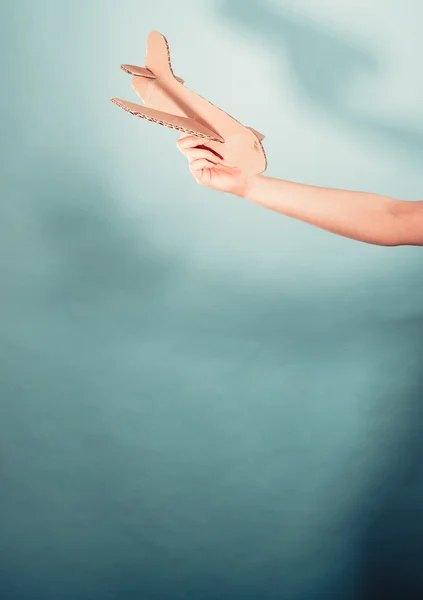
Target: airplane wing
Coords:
[(185, 124)]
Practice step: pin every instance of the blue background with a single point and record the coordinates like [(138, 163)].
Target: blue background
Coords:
[(201, 399)]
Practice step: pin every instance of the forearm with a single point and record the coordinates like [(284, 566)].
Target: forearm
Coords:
[(361, 216)]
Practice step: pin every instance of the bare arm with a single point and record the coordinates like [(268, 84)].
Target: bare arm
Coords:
[(361, 216)]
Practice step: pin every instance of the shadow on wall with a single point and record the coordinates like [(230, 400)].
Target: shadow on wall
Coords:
[(79, 312), (103, 257), (390, 553), (322, 63)]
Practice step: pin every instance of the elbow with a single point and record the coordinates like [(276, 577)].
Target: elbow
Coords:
[(406, 227), (395, 232), (392, 240)]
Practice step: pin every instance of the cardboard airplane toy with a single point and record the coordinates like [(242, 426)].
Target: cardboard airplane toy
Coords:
[(168, 102)]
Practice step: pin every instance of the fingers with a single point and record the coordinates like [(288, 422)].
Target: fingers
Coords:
[(199, 164), (196, 153), (201, 170), (201, 159), (192, 147), (186, 142)]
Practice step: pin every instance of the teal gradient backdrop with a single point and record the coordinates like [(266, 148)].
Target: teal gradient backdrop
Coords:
[(201, 399)]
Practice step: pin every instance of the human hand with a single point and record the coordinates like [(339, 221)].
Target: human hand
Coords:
[(210, 169)]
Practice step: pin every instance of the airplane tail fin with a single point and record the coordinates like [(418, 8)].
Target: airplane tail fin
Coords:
[(157, 58), (138, 71), (142, 72)]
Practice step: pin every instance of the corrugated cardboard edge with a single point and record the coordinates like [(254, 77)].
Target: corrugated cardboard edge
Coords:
[(138, 113)]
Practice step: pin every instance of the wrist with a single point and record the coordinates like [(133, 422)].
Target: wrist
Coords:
[(252, 184)]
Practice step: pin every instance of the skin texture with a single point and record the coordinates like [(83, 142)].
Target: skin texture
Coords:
[(361, 216)]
